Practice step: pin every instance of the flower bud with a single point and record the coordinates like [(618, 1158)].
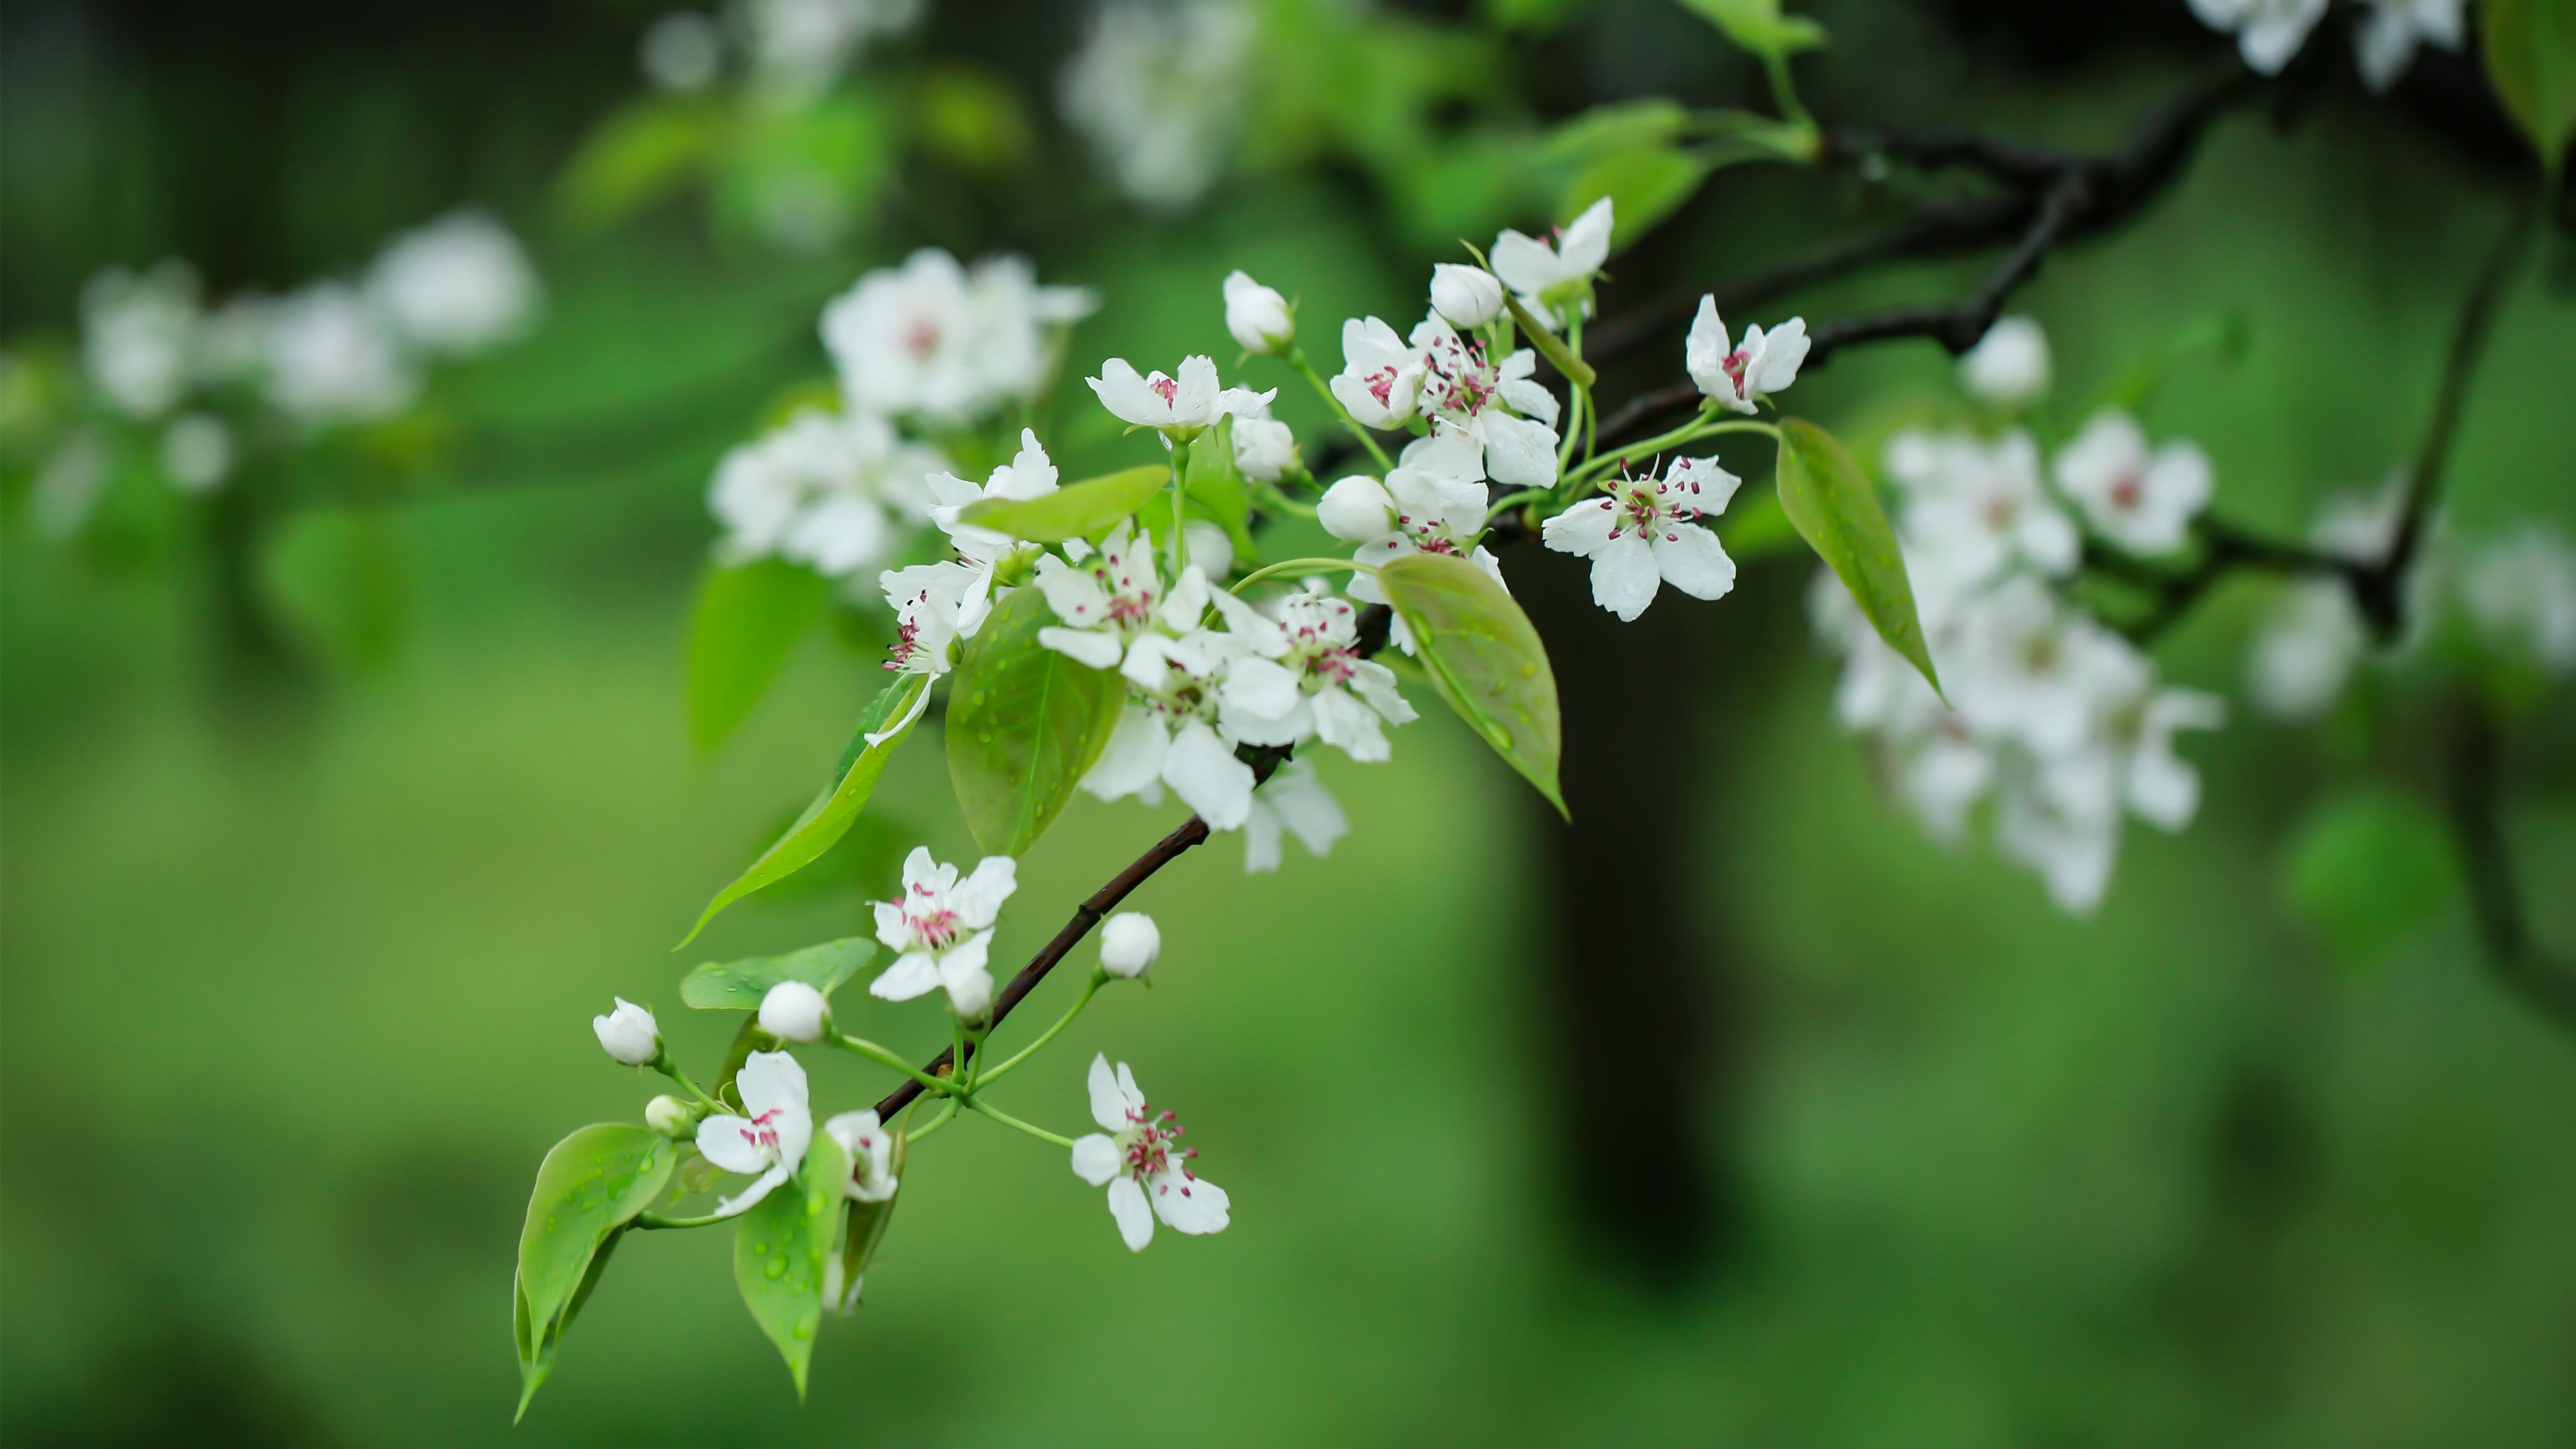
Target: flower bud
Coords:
[(671, 1117), (972, 995), (1357, 509), (2009, 365), (1129, 943), (629, 1034), (1263, 449), (1257, 315), (1467, 296), (794, 1011)]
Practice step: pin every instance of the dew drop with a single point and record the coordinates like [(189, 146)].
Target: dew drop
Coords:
[(777, 1268)]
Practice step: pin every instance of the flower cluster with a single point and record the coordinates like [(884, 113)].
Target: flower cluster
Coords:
[(2271, 32), (929, 349)]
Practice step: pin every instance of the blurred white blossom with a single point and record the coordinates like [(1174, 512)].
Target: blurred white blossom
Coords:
[(138, 335), (2142, 501), (2268, 32), (828, 491), (681, 52), (2384, 43), (1158, 89), (455, 287), (332, 357), (196, 452), (798, 48), (2009, 366), (2520, 591), (945, 342), (1291, 802)]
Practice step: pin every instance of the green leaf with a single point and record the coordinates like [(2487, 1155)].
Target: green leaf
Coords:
[(2531, 62), (1077, 510), (780, 1247), (589, 1187), (1645, 184), (839, 803), (1830, 501), (864, 1228), (635, 156), (1758, 26), (1483, 656), (747, 621), (1217, 491), (740, 985), (334, 578), (1617, 125), (2367, 868), (1549, 345), (1024, 723)]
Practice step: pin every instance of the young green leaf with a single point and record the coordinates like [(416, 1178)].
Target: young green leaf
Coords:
[(780, 1247), (839, 803), (747, 620), (1758, 26), (1645, 184), (1550, 346), (1834, 508), (1024, 723), (2531, 61), (740, 985), (1077, 510), (1217, 491), (2366, 869), (1484, 658), (589, 1187), (634, 156)]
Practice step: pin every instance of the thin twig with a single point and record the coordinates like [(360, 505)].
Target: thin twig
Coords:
[(2546, 983)]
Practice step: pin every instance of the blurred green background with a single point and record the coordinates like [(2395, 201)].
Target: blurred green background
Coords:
[(297, 976)]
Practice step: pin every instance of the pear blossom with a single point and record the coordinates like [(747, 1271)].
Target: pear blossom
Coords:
[(232, 341), (938, 340), (2142, 501), (457, 286), (800, 47), (1555, 282), (1257, 315), (671, 1117), (1291, 802), (681, 52), (2521, 596), (1461, 385), (1114, 598), (1138, 1157), (1334, 694), (1179, 406), (870, 1148), (629, 1035), (1381, 377), (1129, 942), (1174, 731), (1264, 448), (2309, 643), (2268, 32), (138, 335), (332, 358), (2009, 366), (1646, 532), (941, 930), (927, 600), (1159, 91), (1762, 364), (831, 492), (1029, 474), (2029, 670), (795, 1011), (767, 1143), (2385, 43), (196, 452), (1432, 502), (1973, 508), (1467, 296)]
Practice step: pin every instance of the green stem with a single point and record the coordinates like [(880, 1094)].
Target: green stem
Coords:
[(1180, 545), (1297, 359), (884, 1058), (652, 1221), (671, 1069), (1007, 1120), (947, 1109), (1690, 432), (961, 1056), (1510, 501), (1283, 566), (1785, 92), (1023, 1054)]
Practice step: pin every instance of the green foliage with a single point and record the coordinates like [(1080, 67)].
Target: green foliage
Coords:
[(1650, 156), (973, 118), (1758, 26), (635, 156), (809, 174), (588, 1189), (1758, 528), (1077, 510), (780, 1247), (740, 985), (1645, 184), (1024, 723), (747, 621), (1484, 657), (1217, 491), (334, 577), (1831, 503), (2531, 61), (836, 806), (2367, 868)]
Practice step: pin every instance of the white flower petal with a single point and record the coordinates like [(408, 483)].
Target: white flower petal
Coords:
[(1135, 1219), (1188, 1204), (1095, 1158)]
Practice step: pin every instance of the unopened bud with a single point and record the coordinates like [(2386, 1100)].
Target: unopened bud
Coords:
[(1467, 296), (1257, 315), (629, 1034), (972, 995), (2009, 366), (1129, 943), (671, 1117), (1357, 509), (794, 1011)]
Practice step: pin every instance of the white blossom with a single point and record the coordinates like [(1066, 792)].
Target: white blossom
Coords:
[(2142, 501), (1179, 406), (2521, 595), (1331, 691), (1646, 532), (332, 358), (629, 1034), (1762, 364), (1264, 448), (927, 600), (829, 491), (795, 1011), (138, 334), (197, 452), (671, 1117), (1555, 282), (799, 47), (1129, 942), (870, 1148), (768, 1142), (2268, 32), (1137, 1154), (1029, 474), (2385, 42), (681, 52), (2009, 366), (1158, 91), (1113, 597), (941, 930), (1462, 385), (1291, 802), (1432, 502), (457, 286), (1973, 509), (1467, 296), (1257, 315), (2313, 637), (938, 340), (1381, 377)]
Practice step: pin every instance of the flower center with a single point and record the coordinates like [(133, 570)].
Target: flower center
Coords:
[(1151, 1146), (1734, 366), (2125, 493), (762, 1134), (907, 645), (1465, 382), (1166, 389), (935, 928), (921, 337)]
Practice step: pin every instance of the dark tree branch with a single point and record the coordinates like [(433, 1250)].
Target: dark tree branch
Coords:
[(2547, 984)]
